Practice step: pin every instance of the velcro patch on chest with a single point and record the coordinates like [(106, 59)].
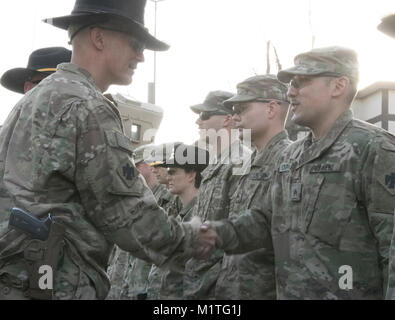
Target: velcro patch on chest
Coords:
[(325, 168), (260, 176)]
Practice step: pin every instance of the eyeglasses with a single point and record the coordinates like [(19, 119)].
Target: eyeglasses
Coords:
[(205, 115), (302, 81)]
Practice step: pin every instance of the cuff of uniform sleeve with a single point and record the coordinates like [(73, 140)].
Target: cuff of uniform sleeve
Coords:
[(226, 233)]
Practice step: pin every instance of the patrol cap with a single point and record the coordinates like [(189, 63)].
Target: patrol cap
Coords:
[(160, 153), (187, 156), (387, 25), (143, 153), (334, 61), (214, 103), (261, 87)]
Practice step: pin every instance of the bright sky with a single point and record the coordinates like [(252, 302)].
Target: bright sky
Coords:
[(215, 44)]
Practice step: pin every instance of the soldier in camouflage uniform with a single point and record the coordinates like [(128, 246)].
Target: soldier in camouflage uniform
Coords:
[(184, 171), (261, 105), (167, 201), (129, 275), (387, 26), (330, 206), (63, 151), (218, 183)]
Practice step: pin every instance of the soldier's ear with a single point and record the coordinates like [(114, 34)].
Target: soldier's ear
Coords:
[(97, 38), (272, 109), (228, 121), (341, 86)]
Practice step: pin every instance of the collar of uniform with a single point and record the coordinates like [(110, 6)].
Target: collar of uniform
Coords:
[(312, 150), (187, 208), (73, 68), (261, 156)]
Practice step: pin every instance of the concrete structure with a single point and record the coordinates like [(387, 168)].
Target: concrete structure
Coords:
[(140, 120)]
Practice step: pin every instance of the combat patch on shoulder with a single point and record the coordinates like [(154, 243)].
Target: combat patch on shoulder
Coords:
[(389, 181), (125, 182), (119, 140)]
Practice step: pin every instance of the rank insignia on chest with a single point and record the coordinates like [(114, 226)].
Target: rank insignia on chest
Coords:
[(296, 192), (284, 167)]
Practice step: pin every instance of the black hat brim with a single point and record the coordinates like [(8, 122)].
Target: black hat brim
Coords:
[(151, 43), (14, 79)]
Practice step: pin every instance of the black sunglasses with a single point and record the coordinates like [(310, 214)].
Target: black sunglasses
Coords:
[(205, 115)]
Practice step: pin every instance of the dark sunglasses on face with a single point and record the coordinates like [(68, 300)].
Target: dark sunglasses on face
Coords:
[(205, 115)]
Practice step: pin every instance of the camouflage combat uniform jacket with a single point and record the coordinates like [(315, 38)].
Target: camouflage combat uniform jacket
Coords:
[(63, 151), (129, 275), (172, 281), (250, 276), (331, 206), (218, 183)]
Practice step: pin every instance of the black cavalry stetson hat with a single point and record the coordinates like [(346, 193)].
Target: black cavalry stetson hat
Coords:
[(129, 12), (387, 25), (42, 60)]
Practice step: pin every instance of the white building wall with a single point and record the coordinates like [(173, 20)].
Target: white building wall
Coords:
[(368, 107), (391, 108), (391, 127)]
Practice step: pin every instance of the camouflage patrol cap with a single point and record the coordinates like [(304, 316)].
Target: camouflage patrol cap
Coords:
[(214, 103), (387, 25), (335, 61), (143, 153), (262, 87)]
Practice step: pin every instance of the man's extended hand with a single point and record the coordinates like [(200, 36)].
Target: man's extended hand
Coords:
[(208, 241)]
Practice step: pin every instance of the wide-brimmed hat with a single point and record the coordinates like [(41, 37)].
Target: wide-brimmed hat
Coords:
[(41, 61), (187, 156), (129, 15), (387, 25)]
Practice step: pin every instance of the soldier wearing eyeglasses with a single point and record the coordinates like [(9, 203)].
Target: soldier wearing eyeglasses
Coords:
[(329, 211), (227, 154)]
